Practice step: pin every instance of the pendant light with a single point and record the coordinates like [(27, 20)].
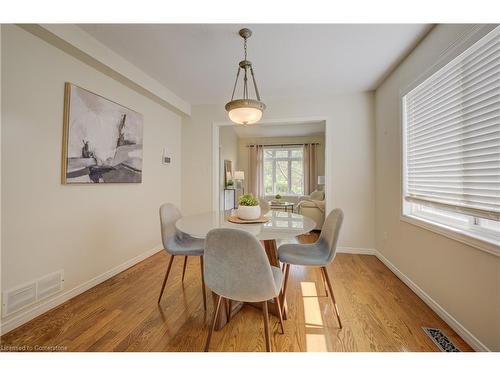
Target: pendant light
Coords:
[(245, 111)]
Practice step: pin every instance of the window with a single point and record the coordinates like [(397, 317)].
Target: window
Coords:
[(451, 142), (283, 170)]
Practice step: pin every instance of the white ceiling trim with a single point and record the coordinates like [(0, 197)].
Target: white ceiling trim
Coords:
[(90, 46)]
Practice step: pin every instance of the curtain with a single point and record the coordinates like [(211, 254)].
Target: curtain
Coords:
[(255, 180), (310, 167)]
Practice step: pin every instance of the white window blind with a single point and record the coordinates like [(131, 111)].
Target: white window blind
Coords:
[(452, 134)]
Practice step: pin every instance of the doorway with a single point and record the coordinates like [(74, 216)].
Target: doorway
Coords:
[(279, 162)]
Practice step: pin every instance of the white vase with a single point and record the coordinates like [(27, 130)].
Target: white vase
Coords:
[(248, 212)]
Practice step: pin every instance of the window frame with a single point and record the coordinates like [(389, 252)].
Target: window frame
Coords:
[(473, 235), (463, 224), (289, 159)]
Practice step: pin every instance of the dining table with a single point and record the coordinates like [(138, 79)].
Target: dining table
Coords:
[(281, 226)]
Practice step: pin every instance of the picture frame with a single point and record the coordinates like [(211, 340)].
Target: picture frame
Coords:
[(102, 140)]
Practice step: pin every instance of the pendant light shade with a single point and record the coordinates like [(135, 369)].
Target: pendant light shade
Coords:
[(245, 111)]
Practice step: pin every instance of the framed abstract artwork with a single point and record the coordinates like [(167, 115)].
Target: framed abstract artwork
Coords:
[(102, 140)]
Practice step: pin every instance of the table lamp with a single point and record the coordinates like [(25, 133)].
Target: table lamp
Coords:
[(240, 176), (321, 180)]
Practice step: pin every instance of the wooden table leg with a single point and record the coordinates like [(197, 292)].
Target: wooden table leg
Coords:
[(272, 252), (223, 317), (272, 255)]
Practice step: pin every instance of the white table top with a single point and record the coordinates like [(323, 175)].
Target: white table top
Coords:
[(281, 226)]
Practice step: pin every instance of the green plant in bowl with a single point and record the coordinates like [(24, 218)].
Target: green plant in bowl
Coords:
[(248, 208), (278, 197), (248, 200)]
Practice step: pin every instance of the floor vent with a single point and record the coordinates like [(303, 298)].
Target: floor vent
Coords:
[(23, 296), (49, 285), (17, 299), (440, 339)]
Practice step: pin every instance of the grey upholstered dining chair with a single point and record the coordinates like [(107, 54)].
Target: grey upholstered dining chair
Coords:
[(318, 254), (237, 268), (177, 243)]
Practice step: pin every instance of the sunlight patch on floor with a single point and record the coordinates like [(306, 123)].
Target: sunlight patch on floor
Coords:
[(308, 289), (312, 311), (315, 342)]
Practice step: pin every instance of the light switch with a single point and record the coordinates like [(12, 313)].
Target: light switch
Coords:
[(166, 158)]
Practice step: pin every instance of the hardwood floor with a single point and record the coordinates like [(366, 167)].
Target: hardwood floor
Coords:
[(378, 312)]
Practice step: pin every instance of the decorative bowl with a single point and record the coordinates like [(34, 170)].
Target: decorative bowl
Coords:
[(248, 212)]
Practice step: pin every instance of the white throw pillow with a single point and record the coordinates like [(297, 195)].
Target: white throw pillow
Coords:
[(317, 195)]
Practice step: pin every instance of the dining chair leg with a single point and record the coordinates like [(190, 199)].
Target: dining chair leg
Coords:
[(324, 282), (166, 276), (280, 313), (285, 284), (184, 267), (203, 291), (335, 308), (214, 320), (229, 306), (266, 327)]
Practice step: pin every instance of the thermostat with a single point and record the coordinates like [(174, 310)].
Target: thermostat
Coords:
[(166, 157)]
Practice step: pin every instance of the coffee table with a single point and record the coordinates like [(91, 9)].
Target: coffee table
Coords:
[(284, 205)]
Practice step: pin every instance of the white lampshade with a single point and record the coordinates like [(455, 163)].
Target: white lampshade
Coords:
[(239, 175), (321, 180), (245, 115)]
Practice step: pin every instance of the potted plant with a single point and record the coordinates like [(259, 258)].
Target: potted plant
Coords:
[(248, 207), (230, 184), (278, 198)]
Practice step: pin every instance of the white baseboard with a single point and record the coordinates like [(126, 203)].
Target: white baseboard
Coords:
[(8, 324), (465, 334), (355, 250)]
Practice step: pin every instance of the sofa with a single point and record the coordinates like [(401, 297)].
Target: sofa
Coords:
[(313, 206)]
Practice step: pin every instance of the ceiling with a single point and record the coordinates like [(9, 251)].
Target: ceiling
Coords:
[(198, 62), (284, 130)]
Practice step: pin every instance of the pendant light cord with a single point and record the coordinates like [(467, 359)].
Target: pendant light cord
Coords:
[(245, 77), (235, 82), (255, 85), (245, 47), (245, 87)]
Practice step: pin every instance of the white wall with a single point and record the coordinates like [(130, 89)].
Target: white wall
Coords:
[(228, 143), (1, 215), (464, 280), (85, 230), (350, 135)]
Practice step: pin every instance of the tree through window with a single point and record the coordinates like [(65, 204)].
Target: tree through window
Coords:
[(284, 170)]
